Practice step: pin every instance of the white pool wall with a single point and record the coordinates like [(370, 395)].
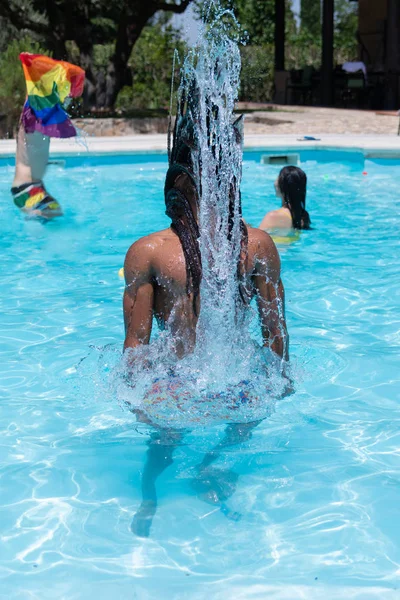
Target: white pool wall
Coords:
[(372, 146)]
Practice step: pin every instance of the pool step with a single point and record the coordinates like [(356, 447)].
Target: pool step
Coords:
[(280, 159)]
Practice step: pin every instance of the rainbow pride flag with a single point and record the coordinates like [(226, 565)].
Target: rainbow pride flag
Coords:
[(49, 82)]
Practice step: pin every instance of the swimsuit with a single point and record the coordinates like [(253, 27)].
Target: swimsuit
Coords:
[(33, 196), (173, 388), (179, 402)]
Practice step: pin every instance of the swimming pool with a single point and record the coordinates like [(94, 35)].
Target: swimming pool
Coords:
[(318, 486)]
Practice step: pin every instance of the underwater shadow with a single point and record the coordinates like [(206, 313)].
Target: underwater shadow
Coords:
[(212, 485)]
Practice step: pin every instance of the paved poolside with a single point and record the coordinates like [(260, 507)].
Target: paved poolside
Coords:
[(265, 119), (314, 119)]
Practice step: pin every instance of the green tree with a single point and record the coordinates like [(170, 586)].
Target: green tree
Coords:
[(346, 25), (89, 23), (304, 48), (257, 21), (256, 18), (151, 64), (310, 17), (8, 34), (257, 75)]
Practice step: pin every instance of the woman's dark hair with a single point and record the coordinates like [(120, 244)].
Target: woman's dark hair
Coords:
[(292, 183), (184, 224), (178, 207)]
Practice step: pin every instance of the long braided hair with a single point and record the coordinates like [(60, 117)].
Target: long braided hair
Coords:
[(184, 224), (178, 207)]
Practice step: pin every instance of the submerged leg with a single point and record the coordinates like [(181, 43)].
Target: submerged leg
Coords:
[(215, 486), (159, 456), (28, 190)]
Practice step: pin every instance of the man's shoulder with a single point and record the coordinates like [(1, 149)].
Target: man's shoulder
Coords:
[(146, 247), (262, 251), (260, 239), (150, 243)]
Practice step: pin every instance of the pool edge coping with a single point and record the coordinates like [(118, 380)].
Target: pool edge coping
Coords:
[(384, 146)]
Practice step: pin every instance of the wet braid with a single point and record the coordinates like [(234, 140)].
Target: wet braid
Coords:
[(244, 239), (177, 206), (241, 267), (184, 224)]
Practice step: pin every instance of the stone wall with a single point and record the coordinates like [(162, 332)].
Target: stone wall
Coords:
[(119, 126)]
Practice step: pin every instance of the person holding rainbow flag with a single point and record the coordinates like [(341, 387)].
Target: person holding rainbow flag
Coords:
[(50, 83)]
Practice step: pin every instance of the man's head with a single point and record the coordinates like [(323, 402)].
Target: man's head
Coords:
[(182, 183)]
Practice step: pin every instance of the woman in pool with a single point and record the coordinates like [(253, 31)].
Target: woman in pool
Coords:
[(291, 188)]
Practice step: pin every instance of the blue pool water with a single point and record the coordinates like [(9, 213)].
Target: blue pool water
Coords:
[(318, 483)]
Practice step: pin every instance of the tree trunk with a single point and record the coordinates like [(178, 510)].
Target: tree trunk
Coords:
[(132, 21), (134, 16), (102, 89)]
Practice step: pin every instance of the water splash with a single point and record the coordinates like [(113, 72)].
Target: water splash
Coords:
[(212, 69), (228, 377)]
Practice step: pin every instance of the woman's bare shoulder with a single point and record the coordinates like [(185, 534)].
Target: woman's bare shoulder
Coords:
[(277, 219)]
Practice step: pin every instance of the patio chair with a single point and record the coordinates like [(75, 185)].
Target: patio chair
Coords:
[(354, 90), (304, 86)]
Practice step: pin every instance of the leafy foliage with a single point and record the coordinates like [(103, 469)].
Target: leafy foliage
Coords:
[(88, 32), (8, 33), (257, 19), (257, 76), (151, 65), (346, 25), (303, 44), (97, 29), (310, 16)]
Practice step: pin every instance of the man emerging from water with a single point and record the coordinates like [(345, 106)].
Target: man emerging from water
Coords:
[(163, 272)]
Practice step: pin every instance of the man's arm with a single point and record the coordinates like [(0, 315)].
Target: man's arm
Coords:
[(270, 297), (138, 295)]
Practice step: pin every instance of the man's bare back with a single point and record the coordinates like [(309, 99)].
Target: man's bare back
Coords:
[(155, 275)]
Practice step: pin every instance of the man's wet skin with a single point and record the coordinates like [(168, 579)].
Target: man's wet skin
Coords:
[(156, 284)]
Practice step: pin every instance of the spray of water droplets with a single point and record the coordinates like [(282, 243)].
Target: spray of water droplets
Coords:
[(228, 376)]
